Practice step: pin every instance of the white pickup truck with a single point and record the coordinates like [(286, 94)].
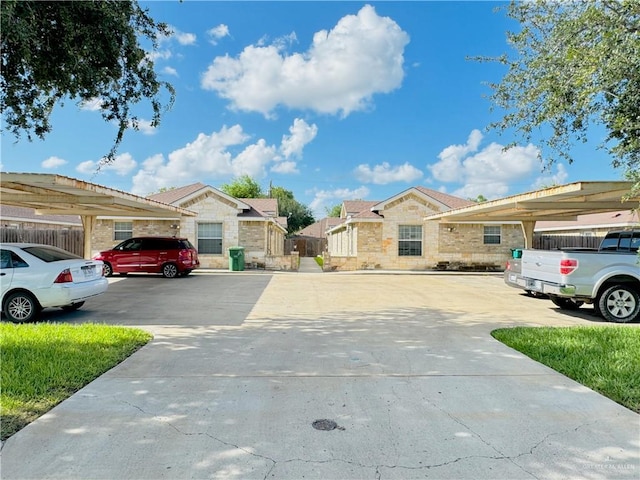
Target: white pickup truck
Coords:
[(607, 277)]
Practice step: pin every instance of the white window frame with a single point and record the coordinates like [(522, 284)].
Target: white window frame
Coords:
[(200, 236), (122, 230), (412, 230), (492, 232)]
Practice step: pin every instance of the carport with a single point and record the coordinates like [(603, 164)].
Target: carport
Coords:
[(51, 194), (564, 202)]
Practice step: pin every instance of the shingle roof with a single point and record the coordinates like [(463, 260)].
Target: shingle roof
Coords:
[(317, 230), (175, 194), (450, 201), (354, 207), (268, 206)]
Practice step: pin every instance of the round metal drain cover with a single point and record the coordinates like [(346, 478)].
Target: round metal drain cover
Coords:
[(324, 424)]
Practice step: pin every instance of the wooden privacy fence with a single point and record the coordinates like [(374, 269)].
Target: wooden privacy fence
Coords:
[(555, 242), (70, 240)]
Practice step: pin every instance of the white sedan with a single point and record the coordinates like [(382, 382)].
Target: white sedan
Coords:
[(35, 276)]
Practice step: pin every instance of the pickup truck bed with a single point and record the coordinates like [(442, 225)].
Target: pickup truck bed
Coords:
[(608, 278)]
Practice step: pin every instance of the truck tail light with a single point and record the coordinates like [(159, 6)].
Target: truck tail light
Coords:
[(64, 277), (508, 266), (568, 266)]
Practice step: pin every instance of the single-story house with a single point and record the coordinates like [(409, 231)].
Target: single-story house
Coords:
[(221, 222), (394, 235)]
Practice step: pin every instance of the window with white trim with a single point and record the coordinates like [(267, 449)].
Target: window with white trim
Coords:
[(122, 230), (492, 234), (210, 238), (410, 241)]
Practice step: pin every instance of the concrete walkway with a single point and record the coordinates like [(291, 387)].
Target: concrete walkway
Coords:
[(404, 365), (309, 265)]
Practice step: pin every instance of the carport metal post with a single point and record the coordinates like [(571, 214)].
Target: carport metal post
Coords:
[(527, 231), (88, 222)]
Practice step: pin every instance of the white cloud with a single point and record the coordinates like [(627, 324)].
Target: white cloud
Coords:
[(285, 167), (183, 38), (253, 159), (212, 157), (549, 179), (87, 167), (122, 165), (385, 173), (216, 33), (301, 134), (92, 105), (145, 127), (486, 172), (53, 162), (449, 168), (342, 70), (325, 198), (170, 71), (159, 55)]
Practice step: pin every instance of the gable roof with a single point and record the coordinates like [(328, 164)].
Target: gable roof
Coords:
[(176, 194), (353, 207), (318, 229), (450, 201), (267, 206), (444, 200)]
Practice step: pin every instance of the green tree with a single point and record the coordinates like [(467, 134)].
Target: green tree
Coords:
[(243, 187), (334, 211), (298, 215), (56, 51), (576, 64), (479, 199)]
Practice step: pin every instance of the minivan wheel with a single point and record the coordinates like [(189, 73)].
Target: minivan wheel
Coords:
[(107, 269), (169, 270), (20, 307), (620, 304)]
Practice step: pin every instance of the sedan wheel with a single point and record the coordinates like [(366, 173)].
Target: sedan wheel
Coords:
[(20, 307), (620, 304), (169, 270)]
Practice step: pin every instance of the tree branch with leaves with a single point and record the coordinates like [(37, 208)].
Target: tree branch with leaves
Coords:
[(576, 64), (57, 51)]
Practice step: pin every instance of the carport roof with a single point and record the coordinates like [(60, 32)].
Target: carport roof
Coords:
[(50, 194), (563, 202)]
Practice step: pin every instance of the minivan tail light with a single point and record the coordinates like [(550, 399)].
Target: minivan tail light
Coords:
[(568, 266), (64, 277)]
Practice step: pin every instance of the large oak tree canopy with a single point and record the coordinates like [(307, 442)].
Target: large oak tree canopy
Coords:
[(52, 51), (576, 64)]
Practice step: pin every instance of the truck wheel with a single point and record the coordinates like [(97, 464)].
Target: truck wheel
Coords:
[(620, 304), (566, 303)]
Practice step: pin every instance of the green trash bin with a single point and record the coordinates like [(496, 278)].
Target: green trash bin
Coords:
[(236, 259)]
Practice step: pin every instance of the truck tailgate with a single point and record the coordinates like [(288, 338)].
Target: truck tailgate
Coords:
[(542, 265)]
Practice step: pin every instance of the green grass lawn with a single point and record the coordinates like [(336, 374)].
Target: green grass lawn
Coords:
[(605, 359), (41, 364)]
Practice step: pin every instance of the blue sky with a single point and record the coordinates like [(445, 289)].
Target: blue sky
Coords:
[(331, 100)]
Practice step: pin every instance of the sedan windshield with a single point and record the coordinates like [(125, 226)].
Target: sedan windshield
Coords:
[(50, 254)]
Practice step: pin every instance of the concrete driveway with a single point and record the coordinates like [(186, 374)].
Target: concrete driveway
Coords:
[(243, 364)]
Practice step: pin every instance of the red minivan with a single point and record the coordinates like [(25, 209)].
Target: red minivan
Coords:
[(170, 256)]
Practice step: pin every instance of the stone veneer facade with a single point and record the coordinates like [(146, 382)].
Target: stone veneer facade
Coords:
[(372, 243), (262, 240)]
